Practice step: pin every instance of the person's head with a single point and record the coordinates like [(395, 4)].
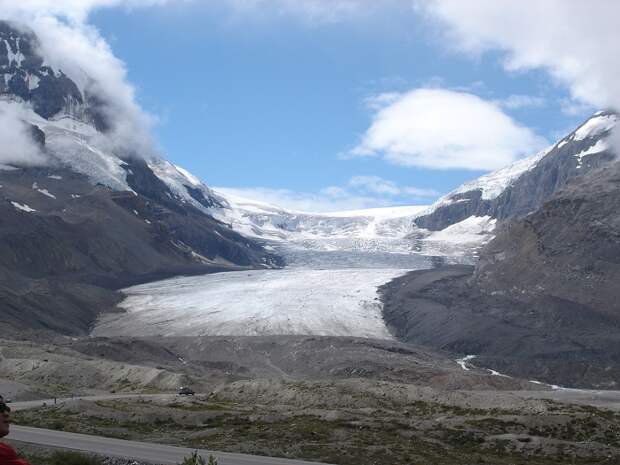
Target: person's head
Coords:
[(4, 419)]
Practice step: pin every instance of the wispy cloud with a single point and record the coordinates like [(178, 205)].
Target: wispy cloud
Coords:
[(573, 107), (517, 101), (381, 186), (444, 129), (359, 192), (75, 11)]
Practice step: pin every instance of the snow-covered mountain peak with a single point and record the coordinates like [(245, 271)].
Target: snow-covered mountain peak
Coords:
[(25, 76), (493, 184), (523, 186), (75, 127), (600, 123)]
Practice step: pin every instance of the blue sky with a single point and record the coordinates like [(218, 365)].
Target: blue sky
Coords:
[(275, 105)]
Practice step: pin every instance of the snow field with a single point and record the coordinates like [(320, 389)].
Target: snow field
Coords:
[(252, 303)]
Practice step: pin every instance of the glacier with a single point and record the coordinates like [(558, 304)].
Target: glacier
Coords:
[(252, 303), (335, 264)]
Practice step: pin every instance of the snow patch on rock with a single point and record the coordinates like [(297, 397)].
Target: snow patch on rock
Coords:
[(472, 230), (464, 362), (23, 207), (461, 239), (599, 147)]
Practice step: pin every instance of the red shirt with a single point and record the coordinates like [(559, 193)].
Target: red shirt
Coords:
[(8, 456)]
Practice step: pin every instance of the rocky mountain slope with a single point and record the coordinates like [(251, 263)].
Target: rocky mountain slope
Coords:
[(92, 217), (542, 302), (26, 76), (524, 186)]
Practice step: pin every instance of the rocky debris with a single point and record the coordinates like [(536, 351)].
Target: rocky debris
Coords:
[(56, 371), (122, 461), (100, 366)]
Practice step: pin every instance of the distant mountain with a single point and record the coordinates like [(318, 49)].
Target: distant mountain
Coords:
[(95, 217), (276, 224), (524, 186), (378, 237)]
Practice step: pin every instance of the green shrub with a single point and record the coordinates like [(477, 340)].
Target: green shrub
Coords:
[(72, 458), (196, 459)]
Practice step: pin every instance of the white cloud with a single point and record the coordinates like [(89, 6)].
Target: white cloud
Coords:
[(359, 193), (18, 145), (73, 10), (573, 107), (309, 202), (377, 102), (577, 42), (445, 129), (375, 184), (380, 186)]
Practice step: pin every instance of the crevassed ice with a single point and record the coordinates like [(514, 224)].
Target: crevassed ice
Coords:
[(250, 303)]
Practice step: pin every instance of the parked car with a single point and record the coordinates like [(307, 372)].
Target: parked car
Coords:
[(185, 391)]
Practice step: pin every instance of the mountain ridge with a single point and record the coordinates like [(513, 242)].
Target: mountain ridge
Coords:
[(541, 303), (89, 216), (524, 186)]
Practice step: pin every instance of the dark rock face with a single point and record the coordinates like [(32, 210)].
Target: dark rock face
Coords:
[(569, 249), (199, 197), (529, 191), (37, 135), (543, 301), (24, 75), (465, 204)]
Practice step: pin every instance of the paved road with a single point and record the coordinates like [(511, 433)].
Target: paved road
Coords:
[(155, 453)]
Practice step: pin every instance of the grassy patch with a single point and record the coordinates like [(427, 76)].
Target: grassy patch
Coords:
[(417, 433)]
